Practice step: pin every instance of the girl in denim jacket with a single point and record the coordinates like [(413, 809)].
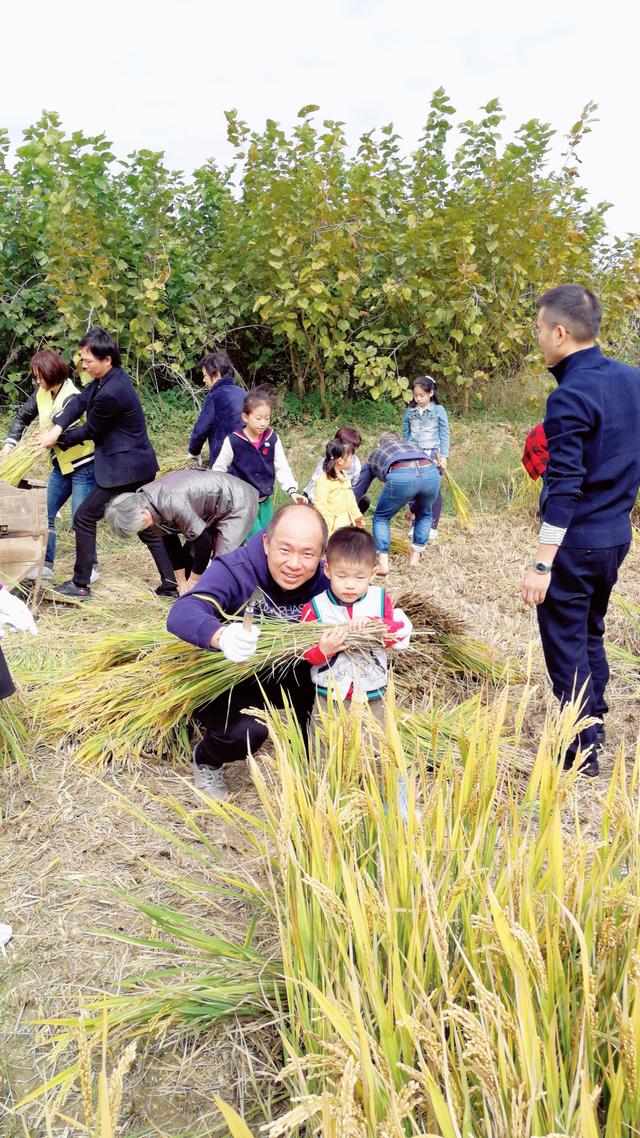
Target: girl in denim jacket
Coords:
[(426, 425)]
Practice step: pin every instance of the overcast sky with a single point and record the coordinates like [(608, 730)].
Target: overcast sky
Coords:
[(160, 74)]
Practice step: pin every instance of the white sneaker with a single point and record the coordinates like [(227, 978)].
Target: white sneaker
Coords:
[(210, 780), (95, 575), (433, 535), (46, 574)]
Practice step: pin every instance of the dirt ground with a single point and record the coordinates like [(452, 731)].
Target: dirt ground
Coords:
[(68, 841)]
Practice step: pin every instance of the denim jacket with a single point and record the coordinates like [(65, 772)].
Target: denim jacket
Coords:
[(428, 429)]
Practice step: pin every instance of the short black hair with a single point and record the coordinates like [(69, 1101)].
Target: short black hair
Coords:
[(573, 306), (101, 345), (216, 362), (353, 545)]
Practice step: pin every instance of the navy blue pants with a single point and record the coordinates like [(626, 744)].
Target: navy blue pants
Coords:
[(571, 621)]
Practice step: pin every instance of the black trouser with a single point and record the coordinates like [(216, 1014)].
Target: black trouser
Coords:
[(7, 687), (189, 554), (229, 734), (571, 624), (85, 524)]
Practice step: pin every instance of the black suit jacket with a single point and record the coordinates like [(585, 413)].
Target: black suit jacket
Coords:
[(116, 424)]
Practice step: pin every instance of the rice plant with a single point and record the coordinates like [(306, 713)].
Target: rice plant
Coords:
[(469, 965)]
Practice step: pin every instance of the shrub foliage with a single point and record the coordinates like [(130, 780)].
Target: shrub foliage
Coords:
[(331, 268)]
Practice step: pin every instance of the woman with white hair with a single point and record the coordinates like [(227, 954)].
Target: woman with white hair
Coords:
[(213, 512)]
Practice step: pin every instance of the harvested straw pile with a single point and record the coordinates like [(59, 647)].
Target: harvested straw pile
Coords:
[(451, 650), (461, 503)]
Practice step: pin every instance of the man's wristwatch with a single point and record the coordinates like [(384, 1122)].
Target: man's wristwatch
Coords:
[(539, 566)]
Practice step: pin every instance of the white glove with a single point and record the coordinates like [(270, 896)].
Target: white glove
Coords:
[(403, 634), (237, 643), (197, 458), (15, 614)]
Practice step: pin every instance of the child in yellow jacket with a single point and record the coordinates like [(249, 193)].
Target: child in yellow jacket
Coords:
[(334, 496)]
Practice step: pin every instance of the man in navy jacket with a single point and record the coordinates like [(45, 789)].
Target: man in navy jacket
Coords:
[(124, 457), (592, 425), (283, 564), (222, 410)]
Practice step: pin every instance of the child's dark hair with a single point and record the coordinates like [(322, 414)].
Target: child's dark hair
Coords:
[(256, 397), (349, 435), (353, 545), (427, 383), (335, 448)]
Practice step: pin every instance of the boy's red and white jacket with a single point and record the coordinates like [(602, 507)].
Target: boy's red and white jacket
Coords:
[(362, 671)]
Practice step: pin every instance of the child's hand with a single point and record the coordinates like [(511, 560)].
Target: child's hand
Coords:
[(333, 640), (359, 522), (442, 462), (360, 622)]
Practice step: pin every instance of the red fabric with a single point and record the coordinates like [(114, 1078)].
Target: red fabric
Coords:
[(535, 455)]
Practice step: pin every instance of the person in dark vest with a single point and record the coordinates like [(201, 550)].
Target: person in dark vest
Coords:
[(213, 512), (256, 455), (592, 428), (222, 410), (123, 456)]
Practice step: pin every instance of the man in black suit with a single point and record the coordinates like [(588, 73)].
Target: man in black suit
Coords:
[(124, 457)]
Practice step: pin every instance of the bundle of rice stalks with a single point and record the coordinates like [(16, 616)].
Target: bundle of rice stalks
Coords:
[(524, 493), (450, 648), (461, 503), (22, 458), (426, 615), (14, 736), (132, 694)]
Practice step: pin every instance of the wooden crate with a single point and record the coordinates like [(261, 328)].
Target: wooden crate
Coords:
[(23, 532)]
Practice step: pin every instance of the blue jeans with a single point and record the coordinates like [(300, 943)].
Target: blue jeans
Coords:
[(404, 484), (60, 488)]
